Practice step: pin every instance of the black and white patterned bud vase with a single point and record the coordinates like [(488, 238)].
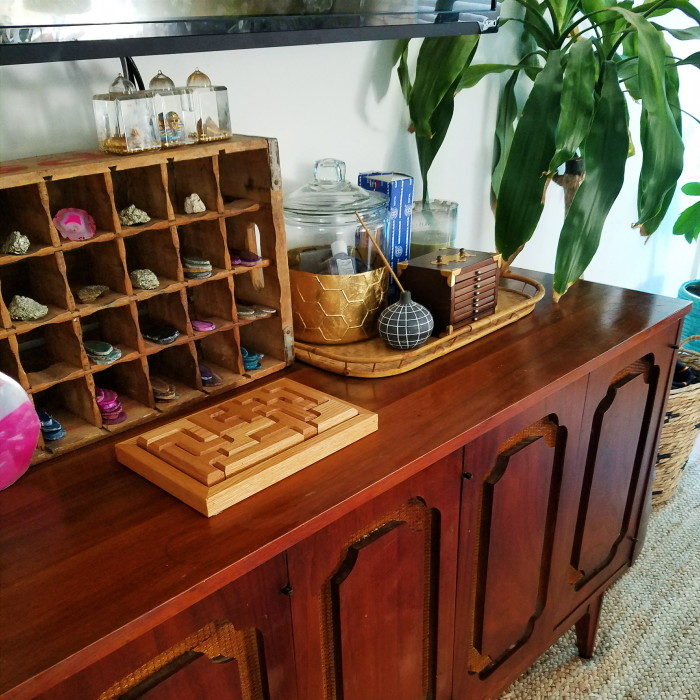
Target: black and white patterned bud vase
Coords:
[(405, 324)]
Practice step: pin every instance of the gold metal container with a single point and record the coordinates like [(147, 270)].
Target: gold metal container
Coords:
[(336, 309)]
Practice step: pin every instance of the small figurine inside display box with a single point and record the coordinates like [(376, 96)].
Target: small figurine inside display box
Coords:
[(458, 286)]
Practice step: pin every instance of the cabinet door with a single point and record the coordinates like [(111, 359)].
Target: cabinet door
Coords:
[(373, 594), (511, 511), (234, 645), (621, 425)]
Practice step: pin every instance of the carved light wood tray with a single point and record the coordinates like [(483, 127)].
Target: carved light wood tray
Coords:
[(230, 451)]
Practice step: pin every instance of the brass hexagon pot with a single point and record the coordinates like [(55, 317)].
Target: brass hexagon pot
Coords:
[(336, 309)]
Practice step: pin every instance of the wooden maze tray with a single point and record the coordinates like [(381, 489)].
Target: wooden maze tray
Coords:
[(219, 456), (516, 298)]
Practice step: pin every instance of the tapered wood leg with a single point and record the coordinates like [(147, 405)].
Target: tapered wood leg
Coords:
[(586, 628)]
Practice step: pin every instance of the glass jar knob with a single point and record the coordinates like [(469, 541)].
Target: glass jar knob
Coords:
[(329, 170)]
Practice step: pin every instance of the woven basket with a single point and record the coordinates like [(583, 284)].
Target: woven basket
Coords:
[(680, 431)]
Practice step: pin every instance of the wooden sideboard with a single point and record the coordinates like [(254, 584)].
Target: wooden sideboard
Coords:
[(506, 488)]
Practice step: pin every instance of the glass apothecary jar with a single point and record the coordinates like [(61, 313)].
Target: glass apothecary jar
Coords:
[(213, 120), (175, 108), (126, 122)]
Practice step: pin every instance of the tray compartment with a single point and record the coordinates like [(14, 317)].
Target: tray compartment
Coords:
[(212, 301), (41, 278), (51, 353), (156, 251), (101, 263), (72, 404), (9, 361), (195, 175), (25, 209), (116, 326), (146, 188), (164, 309), (220, 353), (88, 192), (204, 239), (177, 365), (130, 380), (246, 176)]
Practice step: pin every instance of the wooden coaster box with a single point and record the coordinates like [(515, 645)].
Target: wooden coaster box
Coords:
[(458, 286), (239, 183)]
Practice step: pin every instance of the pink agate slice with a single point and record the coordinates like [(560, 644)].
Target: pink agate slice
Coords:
[(75, 224), (19, 431)]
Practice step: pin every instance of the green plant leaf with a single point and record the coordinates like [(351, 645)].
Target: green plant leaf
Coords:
[(606, 22), (656, 9), (662, 146), (672, 87), (628, 72), (505, 127), (688, 223), (692, 60), (691, 188), (428, 146), (687, 34), (605, 156), (519, 203), (471, 75), (577, 102), (402, 68), (440, 62)]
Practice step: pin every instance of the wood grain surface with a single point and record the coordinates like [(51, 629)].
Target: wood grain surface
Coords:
[(92, 555)]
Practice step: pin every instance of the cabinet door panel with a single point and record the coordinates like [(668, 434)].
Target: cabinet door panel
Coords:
[(234, 645), (509, 529), (373, 595)]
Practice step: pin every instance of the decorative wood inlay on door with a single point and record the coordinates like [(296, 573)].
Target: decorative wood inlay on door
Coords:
[(217, 457), (219, 641), (514, 545), (344, 605), (610, 471)]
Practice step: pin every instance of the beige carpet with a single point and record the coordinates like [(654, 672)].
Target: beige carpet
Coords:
[(648, 644)]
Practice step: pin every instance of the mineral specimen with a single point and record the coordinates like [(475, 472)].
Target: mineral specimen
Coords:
[(75, 224), (15, 244), (194, 204), (26, 309), (132, 216), (144, 279), (88, 294)]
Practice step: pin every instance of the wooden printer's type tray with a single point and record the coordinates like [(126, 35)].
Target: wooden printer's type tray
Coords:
[(218, 457)]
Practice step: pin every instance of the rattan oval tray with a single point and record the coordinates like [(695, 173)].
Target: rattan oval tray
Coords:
[(517, 297)]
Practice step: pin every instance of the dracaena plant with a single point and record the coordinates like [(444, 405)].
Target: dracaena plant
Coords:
[(583, 60)]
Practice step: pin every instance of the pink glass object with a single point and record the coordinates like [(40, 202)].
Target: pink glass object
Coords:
[(75, 224), (19, 431)]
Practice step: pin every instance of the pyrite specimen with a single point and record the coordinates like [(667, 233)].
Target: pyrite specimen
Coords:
[(194, 204), (26, 309), (15, 244), (144, 279), (132, 216), (88, 294)]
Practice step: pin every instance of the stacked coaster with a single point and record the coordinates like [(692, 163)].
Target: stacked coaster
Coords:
[(163, 335), (203, 326), (247, 312), (110, 406), (243, 257), (163, 390), (196, 268), (251, 360), (51, 429), (209, 377), (101, 352)]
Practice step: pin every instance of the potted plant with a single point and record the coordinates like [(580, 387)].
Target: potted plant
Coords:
[(584, 59)]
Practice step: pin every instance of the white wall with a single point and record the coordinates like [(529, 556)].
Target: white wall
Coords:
[(343, 101)]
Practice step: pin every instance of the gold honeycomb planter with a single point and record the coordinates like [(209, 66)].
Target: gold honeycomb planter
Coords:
[(336, 309)]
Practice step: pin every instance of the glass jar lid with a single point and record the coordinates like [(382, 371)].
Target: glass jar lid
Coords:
[(198, 79), (330, 198), (121, 86), (160, 81)]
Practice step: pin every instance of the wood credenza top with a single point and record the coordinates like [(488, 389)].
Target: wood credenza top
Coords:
[(90, 552)]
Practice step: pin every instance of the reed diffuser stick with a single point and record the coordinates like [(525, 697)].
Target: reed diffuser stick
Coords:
[(379, 250)]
